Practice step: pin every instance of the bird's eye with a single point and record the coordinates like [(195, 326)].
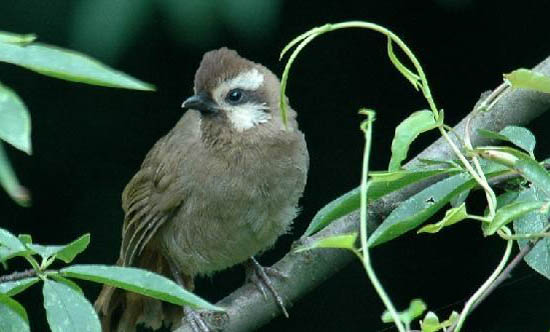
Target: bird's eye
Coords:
[(234, 96)]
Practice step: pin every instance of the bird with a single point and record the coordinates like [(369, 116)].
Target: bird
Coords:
[(219, 188)]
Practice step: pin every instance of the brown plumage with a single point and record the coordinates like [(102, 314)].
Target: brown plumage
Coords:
[(220, 187)]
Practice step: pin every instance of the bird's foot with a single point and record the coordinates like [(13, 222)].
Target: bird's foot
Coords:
[(260, 276)]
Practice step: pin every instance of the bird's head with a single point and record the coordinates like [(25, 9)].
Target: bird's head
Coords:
[(234, 92)]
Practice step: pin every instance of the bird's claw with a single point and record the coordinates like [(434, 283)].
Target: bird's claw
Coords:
[(195, 320), (259, 276)]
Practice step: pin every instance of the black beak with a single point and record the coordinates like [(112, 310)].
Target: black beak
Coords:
[(200, 102)]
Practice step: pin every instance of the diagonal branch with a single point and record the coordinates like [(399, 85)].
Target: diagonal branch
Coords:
[(248, 310)]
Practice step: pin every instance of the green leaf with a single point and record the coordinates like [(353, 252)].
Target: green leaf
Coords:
[(528, 79), (539, 257), (408, 74), (9, 181), (25, 238), (13, 317), (68, 310), (138, 281), (8, 37), (381, 183), (459, 199), (15, 122), (343, 241), (416, 309), (68, 65), (519, 136), (66, 253), (452, 216), (512, 211), (11, 288), (67, 282), (10, 245), (521, 162), (421, 206), (406, 132), (431, 323)]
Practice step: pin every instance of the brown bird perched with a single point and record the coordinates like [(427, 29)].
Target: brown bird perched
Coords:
[(219, 188)]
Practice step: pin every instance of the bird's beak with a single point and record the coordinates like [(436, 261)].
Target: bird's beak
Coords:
[(200, 102)]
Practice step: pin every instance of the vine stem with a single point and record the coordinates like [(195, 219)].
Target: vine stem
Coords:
[(479, 294), (365, 257)]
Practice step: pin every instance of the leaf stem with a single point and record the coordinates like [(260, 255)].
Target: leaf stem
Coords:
[(479, 294), (366, 126)]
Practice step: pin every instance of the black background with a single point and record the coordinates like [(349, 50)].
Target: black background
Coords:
[(88, 141)]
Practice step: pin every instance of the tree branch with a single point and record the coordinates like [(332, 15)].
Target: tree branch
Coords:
[(248, 310)]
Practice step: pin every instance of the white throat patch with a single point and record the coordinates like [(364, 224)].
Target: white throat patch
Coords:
[(247, 115)]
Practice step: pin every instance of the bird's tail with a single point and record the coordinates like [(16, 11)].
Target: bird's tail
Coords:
[(121, 311)]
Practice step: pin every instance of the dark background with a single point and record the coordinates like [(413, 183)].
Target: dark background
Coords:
[(88, 141)]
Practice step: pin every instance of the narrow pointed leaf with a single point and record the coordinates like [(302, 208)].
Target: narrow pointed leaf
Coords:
[(528, 79), (11, 288), (138, 281), (8, 37), (66, 253), (13, 317), (15, 122), (406, 132), (68, 65), (9, 181), (511, 212), (521, 162), (408, 74), (68, 310), (452, 216), (343, 241), (519, 136), (421, 206), (381, 183)]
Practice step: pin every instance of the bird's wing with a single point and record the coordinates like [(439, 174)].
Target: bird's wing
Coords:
[(149, 200)]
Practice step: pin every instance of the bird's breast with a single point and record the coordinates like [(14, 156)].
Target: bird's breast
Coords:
[(235, 207)]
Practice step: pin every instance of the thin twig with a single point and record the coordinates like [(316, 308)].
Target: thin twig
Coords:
[(14, 276)]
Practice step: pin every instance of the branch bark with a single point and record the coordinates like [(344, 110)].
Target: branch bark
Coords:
[(248, 310)]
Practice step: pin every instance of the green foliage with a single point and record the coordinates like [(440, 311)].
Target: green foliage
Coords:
[(534, 223), (420, 207), (519, 136), (528, 79), (431, 323), (13, 317), (9, 182), (343, 241), (452, 216), (477, 165), (11, 288), (66, 307), (138, 281), (416, 309), (381, 183), (511, 212), (406, 132), (68, 310), (15, 124)]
